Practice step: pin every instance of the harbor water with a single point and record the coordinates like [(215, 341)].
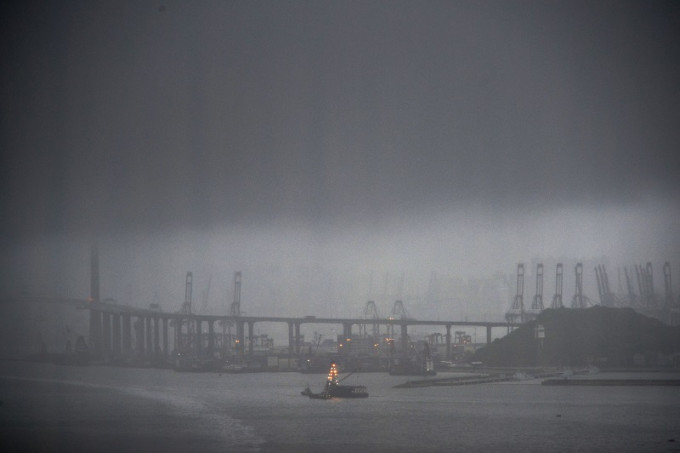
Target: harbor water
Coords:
[(47, 407)]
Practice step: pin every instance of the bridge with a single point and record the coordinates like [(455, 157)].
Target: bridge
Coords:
[(157, 333)]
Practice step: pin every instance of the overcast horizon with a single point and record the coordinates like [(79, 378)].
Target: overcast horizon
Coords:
[(362, 137)]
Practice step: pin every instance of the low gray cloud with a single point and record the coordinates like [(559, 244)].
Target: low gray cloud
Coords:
[(459, 135)]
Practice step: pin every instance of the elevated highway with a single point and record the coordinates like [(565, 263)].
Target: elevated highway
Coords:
[(110, 327), (117, 330)]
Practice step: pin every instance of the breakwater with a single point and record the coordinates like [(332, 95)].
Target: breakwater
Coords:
[(613, 382)]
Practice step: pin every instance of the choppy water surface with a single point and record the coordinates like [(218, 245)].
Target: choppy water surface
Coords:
[(53, 408)]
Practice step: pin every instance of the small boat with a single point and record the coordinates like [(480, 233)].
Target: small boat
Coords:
[(333, 389)]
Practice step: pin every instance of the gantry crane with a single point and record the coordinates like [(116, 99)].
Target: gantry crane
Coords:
[(537, 303), (607, 298), (672, 306), (579, 300), (371, 312), (557, 298), (517, 310)]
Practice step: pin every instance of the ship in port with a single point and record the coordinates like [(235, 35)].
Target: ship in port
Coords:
[(333, 388)]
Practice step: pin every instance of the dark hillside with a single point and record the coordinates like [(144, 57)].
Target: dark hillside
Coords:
[(613, 337)]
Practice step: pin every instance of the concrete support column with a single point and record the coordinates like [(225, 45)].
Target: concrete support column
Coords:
[(116, 334), (177, 329), (404, 340), (96, 331), (106, 333), (127, 334), (297, 338), (139, 337), (488, 334), (165, 338), (240, 337), (149, 342), (199, 337), (346, 337), (211, 337), (156, 337), (346, 331), (291, 339), (251, 334), (448, 342)]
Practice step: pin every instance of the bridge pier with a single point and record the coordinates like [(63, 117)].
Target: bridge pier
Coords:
[(116, 335), (211, 337), (347, 330), (297, 338), (251, 330), (199, 338), (96, 331), (488, 334), (156, 338), (165, 338), (139, 337), (240, 337), (127, 334), (106, 334), (291, 339), (404, 340), (448, 342), (149, 340)]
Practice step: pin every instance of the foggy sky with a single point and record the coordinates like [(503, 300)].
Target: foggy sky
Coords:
[(457, 137)]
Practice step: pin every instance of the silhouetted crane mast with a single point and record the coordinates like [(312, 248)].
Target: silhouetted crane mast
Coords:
[(607, 298), (371, 312), (235, 309), (398, 312), (517, 310), (579, 300), (557, 298), (632, 297), (537, 304), (672, 307), (186, 306), (668, 287), (645, 280), (651, 297)]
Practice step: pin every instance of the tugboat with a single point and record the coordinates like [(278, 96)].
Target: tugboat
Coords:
[(333, 389)]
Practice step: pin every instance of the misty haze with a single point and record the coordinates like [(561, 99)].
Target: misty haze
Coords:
[(206, 203)]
